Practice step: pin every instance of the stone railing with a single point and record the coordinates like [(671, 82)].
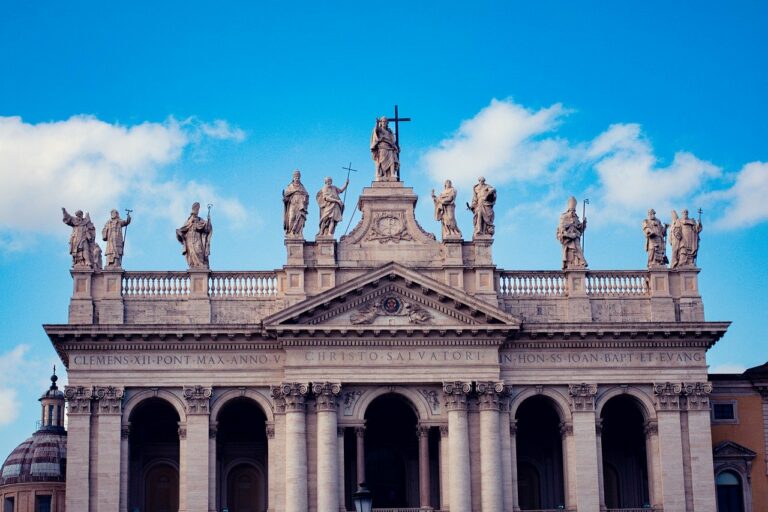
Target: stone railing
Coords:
[(552, 283), (155, 285), (531, 283), (249, 284)]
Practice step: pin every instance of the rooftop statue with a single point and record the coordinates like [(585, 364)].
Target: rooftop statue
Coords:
[(385, 151), (483, 201), (81, 240), (95, 247), (569, 233), (331, 206), (295, 204), (195, 238), (684, 240), (445, 210), (655, 240), (112, 233)]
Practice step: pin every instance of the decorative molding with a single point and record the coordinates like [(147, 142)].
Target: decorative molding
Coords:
[(430, 395), (513, 428), (651, 428), (325, 395), (78, 399), (350, 397), (667, 396), (291, 396), (692, 396), (109, 399), (582, 396), (455, 394), (388, 227), (340, 431), (197, 399), (488, 395), (697, 395)]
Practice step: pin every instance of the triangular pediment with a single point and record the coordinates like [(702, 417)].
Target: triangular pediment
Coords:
[(731, 450), (392, 297)]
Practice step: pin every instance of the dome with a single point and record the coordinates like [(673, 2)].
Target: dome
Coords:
[(41, 458)]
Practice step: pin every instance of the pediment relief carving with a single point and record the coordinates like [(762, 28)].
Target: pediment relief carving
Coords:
[(731, 450), (390, 226)]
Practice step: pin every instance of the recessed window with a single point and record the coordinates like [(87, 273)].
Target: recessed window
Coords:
[(42, 504), (8, 504), (724, 412)]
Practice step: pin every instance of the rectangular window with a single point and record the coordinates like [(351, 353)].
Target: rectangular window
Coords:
[(724, 412), (42, 504), (8, 504)]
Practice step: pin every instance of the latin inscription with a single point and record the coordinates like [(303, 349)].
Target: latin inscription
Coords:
[(176, 361), (393, 356), (575, 359)]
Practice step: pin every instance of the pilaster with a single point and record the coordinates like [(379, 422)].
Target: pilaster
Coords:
[(700, 442), (670, 454), (78, 447), (583, 461), (193, 476), (213, 433), (326, 394), (460, 494), (108, 408), (125, 436)]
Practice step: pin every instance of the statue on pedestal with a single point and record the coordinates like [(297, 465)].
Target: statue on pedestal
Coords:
[(655, 240), (385, 151), (81, 240), (445, 210), (195, 238), (295, 203), (569, 233), (112, 233), (684, 240), (483, 201), (331, 206)]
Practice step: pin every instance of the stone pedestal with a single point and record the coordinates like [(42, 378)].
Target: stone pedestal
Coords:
[(662, 305), (579, 309), (81, 304), (460, 493), (453, 263), (199, 304), (485, 281), (109, 297), (325, 253), (294, 286)]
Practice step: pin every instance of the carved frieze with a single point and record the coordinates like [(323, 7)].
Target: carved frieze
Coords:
[(582, 396), (109, 399), (350, 397), (78, 399), (197, 399), (430, 395), (325, 395), (455, 394), (390, 306)]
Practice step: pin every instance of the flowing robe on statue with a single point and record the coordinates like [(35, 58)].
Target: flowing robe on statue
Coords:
[(112, 233), (685, 242), (80, 241), (385, 154), (445, 212), (483, 201), (331, 209), (195, 238), (295, 204), (655, 242), (569, 233)]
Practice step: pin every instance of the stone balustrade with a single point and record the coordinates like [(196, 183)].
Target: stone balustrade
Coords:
[(152, 284), (247, 284)]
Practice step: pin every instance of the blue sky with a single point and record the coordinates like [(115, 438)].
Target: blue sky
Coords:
[(156, 105)]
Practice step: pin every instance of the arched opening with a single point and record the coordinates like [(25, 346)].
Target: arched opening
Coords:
[(730, 494), (391, 452), (539, 455), (241, 456), (153, 471), (625, 466)]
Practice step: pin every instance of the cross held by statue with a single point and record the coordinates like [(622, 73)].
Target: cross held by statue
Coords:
[(397, 119)]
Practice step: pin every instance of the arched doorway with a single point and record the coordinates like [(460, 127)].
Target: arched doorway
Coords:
[(539, 455), (730, 493), (625, 466), (241, 457), (391, 452), (153, 474)]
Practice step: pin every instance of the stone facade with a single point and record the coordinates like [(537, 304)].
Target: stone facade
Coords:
[(317, 358)]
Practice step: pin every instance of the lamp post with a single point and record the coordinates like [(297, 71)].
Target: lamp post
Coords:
[(363, 499)]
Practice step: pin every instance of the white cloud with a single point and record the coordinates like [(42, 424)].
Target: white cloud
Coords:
[(502, 142), (20, 372), (84, 163), (746, 199), (9, 406)]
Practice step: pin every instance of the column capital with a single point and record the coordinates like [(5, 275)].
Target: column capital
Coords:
[(197, 399), (125, 431), (598, 427), (489, 395), (443, 431), (566, 429), (291, 396), (667, 396), (512, 427), (360, 431), (340, 431), (78, 399), (582, 396), (109, 399), (270, 429), (651, 428), (325, 395), (697, 395), (422, 430), (455, 394), (182, 431)]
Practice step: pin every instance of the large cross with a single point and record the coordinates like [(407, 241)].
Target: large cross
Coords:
[(397, 120)]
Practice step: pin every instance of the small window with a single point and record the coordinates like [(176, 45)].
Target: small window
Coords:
[(724, 412), (8, 505), (42, 504)]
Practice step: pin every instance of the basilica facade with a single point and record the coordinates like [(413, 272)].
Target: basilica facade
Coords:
[(387, 356)]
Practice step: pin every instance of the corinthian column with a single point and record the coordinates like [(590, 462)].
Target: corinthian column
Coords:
[(491, 487), (294, 394), (327, 446), (460, 494), (423, 433)]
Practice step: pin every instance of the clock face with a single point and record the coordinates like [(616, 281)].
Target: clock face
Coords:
[(389, 225), (391, 305)]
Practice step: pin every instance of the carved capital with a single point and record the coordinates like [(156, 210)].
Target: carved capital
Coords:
[(125, 431), (667, 396), (325, 395), (422, 431), (78, 399), (443, 431), (182, 431), (599, 427), (566, 429), (197, 399), (213, 431), (513, 427), (340, 431), (582, 396), (697, 395), (291, 396), (360, 431), (270, 429), (489, 394), (109, 399), (455, 394), (650, 428)]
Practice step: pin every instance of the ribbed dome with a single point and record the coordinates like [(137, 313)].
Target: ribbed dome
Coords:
[(41, 458)]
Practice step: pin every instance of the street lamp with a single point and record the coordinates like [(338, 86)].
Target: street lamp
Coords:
[(363, 499)]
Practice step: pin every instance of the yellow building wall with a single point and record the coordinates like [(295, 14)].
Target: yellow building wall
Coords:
[(750, 433)]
